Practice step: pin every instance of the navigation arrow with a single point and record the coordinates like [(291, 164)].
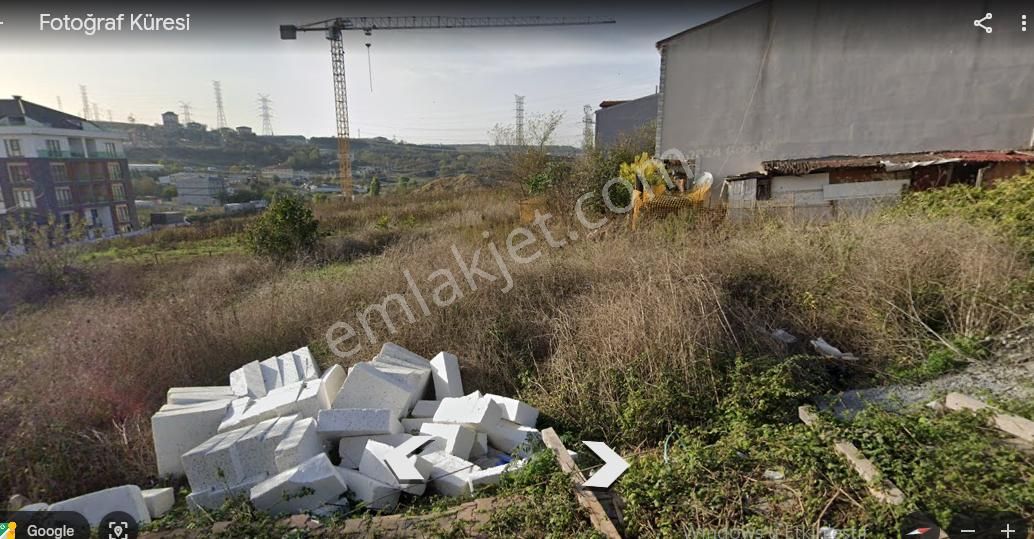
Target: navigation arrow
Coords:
[(613, 466)]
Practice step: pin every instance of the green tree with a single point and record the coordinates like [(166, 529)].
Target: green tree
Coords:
[(169, 192), (146, 187), (287, 229), (375, 187)]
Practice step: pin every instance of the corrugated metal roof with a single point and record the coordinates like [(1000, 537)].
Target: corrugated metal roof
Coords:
[(797, 167)]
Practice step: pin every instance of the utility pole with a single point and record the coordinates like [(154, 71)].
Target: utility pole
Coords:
[(186, 112), (59, 107), (86, 102), (220, 116), (519, 120), (266, 111), (587, 130)]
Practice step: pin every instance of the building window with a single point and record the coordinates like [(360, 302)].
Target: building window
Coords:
[(25, 198), (3, 204), (122, 212), (109, 148), (58, 172), (64, 196), (13, 147), (67, 220), (18, 172), (53, 148), (118, 191), (114, 171), (764, 190)]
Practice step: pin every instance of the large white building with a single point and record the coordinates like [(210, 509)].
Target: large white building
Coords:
[(795, 79), (55, 165)]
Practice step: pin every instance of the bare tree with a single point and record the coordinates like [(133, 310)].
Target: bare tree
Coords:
[(521, 160)]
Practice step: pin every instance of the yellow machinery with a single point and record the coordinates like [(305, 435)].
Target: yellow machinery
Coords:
[(651, 197)]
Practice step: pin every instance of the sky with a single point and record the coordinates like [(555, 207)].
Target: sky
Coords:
[(427, 86)]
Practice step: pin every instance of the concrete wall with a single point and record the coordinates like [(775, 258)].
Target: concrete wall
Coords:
[(813, 78), (618, 121), (810, 197)]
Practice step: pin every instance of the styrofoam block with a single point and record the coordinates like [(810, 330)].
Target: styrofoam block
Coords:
[(491, 476), (289, 368), (213, 498), (309, 403), (413, 424), (234, 415), (194, 395), (507, 436), (95, 505), (308, 369), (390, 465), (330, 385), (300, 444), (279, 401), (305, 487), (457, 440), (450, 474), (415, 381), (339, 423), (373, 465), (414, 444), (351, 448), (248, 381), (480, 447), (516, 411), (366, 387), (159, 500), (211, 463), (374, 494), (446, 370), (391, 349), (177, 429), (272, 377), (255, 452), (473, 410), (424, 409)]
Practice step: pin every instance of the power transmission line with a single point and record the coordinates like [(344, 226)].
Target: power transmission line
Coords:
[(96, 112), (86, 102), (220, 119), (519, 120), (266, 112), (587, 127), (186, 112)]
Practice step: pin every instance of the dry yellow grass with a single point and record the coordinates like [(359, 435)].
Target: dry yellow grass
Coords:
[(583, 331)]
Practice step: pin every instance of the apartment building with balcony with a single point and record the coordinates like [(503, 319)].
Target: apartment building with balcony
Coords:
[(56, 165)]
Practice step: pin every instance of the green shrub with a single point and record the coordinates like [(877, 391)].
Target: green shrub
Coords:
[(286, 230), (1007, 206)]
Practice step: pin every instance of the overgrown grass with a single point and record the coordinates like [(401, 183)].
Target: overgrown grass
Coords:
[(626, 338)]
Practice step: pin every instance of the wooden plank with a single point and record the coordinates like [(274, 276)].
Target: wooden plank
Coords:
[(1019, 427), (587, 498), (879, 488)]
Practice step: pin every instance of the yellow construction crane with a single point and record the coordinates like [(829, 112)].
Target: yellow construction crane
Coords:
[(333, 28)]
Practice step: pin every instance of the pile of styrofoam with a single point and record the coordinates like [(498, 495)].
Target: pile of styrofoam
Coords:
[(398, 423)]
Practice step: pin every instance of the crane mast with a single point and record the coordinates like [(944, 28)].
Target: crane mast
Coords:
[(334, 27), (337, 63)]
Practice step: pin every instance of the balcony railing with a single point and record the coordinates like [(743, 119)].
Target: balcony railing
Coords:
[(61, 154), (56, 154)]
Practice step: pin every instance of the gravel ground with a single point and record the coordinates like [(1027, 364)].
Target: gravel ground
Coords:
[(1008, 374)]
